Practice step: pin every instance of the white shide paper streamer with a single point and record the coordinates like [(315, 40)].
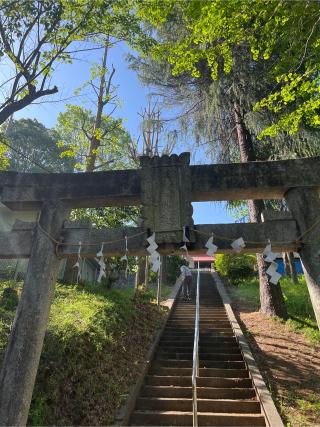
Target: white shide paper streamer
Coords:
[(77, 264), (102, 265), (154, 255), (125, 257), (212, 248), (238, 244), (270, 256)]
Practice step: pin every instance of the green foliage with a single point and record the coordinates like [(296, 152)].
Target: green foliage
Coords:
[(173, 264), (4, 161), (238, 209), (299, 308), (108, 217), (36, 143), (95, 341), (9, 298), (236, 267), (77, 128), (78, 134), (152, 290), (284, 34)]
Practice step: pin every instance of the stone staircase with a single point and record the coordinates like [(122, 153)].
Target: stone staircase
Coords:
[(226, 396)]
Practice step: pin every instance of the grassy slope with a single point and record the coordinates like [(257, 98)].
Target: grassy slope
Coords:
[(297, 302), (94, 343), (298, 403)]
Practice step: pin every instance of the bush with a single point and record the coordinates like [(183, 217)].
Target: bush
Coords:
[(173, 268), (236, 267)]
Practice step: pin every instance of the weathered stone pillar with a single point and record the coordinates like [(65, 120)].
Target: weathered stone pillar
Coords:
[(23, 351), (304, 203), (166, 196)]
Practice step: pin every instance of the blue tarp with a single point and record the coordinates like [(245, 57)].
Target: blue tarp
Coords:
[(297, 264)]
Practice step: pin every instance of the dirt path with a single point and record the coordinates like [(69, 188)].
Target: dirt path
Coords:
[(289, 364)]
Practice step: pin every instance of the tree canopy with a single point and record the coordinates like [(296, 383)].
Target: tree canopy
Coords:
[(31, 147), (284, 33)]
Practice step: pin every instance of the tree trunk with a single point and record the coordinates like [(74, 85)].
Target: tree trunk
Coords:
[(286, 263), (140, 275), (164, 271), (292, 268), (68, 275), (95, 141), (271, 297)]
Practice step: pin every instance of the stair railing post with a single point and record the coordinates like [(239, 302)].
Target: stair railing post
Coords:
[(159, 284)]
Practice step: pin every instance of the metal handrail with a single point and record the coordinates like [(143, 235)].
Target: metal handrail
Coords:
[(195, 362)]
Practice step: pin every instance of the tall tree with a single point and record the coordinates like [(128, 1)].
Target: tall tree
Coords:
[(93, 136), (172, 48), (283, 33), (35, 35), (32, 148), (97, 141)]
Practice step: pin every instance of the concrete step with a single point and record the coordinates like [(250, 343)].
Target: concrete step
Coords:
[(226, 396), (221, 364), (201, 321), (202, 318), (174, 335), (207, 356), (175, 418), (202, 392), (215, 382), (202, 310), (185, 341), (191, 314), (215, 332), (204, 405), (203, 372), (202, 339), (207, 347), (205, 323)]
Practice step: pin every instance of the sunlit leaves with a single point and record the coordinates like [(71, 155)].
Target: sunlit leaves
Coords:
[(284, 33), (77, 129), (4, 160)]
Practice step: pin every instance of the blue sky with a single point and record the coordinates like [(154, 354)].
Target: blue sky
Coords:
[(133, 97)]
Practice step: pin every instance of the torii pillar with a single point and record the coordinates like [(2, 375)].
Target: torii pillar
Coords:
[(304, 203), (22, 355)]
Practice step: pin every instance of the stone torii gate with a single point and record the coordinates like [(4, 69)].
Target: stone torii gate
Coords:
[(164, 187)]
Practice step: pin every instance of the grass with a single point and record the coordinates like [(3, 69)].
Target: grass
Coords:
[(300, 407), (165, 291), (301, 315), (299, 403), (95, 340)]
